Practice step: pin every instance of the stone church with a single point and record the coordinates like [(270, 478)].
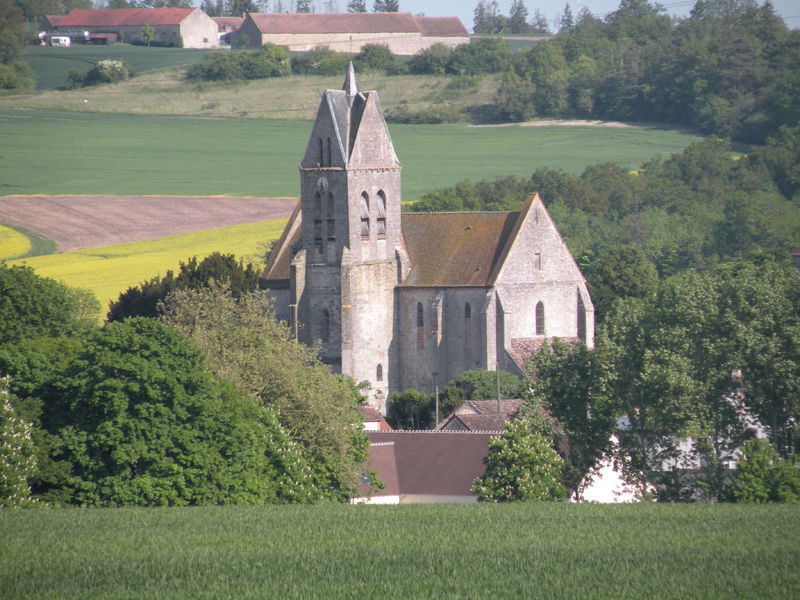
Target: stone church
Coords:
[(412, 300)]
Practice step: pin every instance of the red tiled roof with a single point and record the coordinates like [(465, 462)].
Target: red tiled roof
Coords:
[(117, 17), (441, 463), (458, 249), (53, 20), (441, 26), (277, 23)]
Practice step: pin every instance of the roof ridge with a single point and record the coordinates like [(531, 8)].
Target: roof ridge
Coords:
[(462, 212), (449, 432)]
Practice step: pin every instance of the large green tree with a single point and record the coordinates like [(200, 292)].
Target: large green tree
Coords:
[(246, 345), (142, 422), (521, 465)]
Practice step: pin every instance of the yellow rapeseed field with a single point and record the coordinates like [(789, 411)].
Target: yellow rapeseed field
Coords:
[(12, 243), (109, 270)]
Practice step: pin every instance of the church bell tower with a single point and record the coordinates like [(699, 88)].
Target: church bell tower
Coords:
[(351, 238)]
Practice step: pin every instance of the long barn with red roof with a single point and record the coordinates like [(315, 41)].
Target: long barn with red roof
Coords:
[(403, 33)]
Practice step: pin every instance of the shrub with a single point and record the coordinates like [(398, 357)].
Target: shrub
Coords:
[(15, 77), (320, 61), (109, 70), (426, 116), (227, 65), (374, 57), (430, 61)]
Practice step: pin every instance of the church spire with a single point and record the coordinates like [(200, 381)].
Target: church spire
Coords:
[(350, 85)]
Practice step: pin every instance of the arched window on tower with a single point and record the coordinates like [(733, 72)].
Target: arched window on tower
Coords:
[(467, 325), (540, 318), (321, 157), (364, 215), (420, 326), (331, 219), (581, 318), (325, 334), (379, 373), (380, 222), (318, 222), (330, 152)]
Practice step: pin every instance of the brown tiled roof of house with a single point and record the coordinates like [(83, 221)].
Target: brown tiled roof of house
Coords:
[(439, 463), (281, 23), (276, 271), (455, 249), (226, 24), (383, 461), (441, 27), (116, 17)]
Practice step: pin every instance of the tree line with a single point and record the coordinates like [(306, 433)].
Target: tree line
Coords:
[(206, 401)]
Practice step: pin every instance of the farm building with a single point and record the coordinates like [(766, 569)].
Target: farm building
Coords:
[(403, 33), (401, 301), (183, 27), (227, 26)]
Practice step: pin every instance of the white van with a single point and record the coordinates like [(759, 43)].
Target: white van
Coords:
[(58, 40)]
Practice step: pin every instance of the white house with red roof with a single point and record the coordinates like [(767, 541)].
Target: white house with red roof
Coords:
[(180, 27)]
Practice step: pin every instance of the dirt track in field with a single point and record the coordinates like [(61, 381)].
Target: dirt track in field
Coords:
[(91, 221)]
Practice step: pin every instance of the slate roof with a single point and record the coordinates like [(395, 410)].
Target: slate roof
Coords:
[(496, 422), (117, 17), (455, 249), (276, 271), (508, 407), (305, 23), (441, 26), (441, 463)]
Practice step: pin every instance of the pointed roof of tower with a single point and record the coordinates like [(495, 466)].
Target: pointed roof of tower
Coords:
[(350, 85), (354, 119)]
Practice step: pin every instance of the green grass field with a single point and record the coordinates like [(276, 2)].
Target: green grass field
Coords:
[(423, 551), (60, 152), (51, 65), (109, 270)]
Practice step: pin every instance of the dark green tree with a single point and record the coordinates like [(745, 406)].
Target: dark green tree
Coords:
[(567, 21), (33, 306), (386, 6), (518, 17), (143, 300), (482, 385), (539, 23), (143, 423), (357, 6), (620, 272)]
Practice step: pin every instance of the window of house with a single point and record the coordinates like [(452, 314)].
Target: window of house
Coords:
[(581, 318), (318, 222), (540, 318), (467, 325), (420, 326), (379, 373), (331, 219), (326, 325), (364, 215), (380, 223)]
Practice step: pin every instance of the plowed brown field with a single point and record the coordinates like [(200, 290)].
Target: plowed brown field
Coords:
[(91, 221)]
